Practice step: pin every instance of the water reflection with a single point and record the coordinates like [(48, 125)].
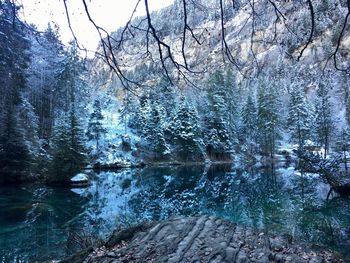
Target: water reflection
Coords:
[(38, 219)]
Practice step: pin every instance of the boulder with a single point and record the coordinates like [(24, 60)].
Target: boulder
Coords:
[(80, 180), (200, 239)]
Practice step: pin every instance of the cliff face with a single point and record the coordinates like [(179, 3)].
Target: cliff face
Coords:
[(266, 44), (260, 35)]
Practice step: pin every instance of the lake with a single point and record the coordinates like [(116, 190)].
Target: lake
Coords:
[(37, 221)]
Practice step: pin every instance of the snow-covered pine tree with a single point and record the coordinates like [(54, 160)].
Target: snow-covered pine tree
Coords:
[(268, 118), (95, 128), (166, 94), (68, 153), (217, 131), (73, 86), (185, 130), (250, 121), (232, 102), (324, 125), (139, 115), (128, 111), (342, 145), (29, 122), (347, 111), (300, 116), (14, 153), (154, 130), (44, 72), (14, 47)]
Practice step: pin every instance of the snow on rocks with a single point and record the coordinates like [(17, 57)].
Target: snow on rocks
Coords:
[(80, 180)]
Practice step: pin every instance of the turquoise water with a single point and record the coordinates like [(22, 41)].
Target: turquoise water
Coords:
[(37, 221)]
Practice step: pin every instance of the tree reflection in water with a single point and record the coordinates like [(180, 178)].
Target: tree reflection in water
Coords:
[(38, 220)]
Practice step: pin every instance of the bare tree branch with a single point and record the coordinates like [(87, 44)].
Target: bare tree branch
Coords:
[(165, 53), (309, 41), (225, 46), (334, 55)]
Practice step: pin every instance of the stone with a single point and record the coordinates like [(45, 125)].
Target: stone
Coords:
[(80, 180), (199, 239)]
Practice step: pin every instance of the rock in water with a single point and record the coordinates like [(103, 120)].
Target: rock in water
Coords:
[(80, 180), (200, 239)]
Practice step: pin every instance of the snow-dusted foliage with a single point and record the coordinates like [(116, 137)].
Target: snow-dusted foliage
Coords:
[(95, 129), (324, 124), (300, 116), (186, 132), (68, 151), (40, 81), (269, 118), (15, 154), (218, 112)]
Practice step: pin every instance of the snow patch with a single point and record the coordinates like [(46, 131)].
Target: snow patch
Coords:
[(80, 178)]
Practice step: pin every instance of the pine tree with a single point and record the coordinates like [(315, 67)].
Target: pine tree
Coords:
[(343, 146), (14, 46), (165, 92), (14, 153), (139, 116), (72, 84), (44, 72), (29, 122), (232, 102), (300, 116), (347, 111), (154, 130), (68, 154), (218, 139), (323, 120), (185, 130), (95, 128), (268, 118), (250, 121), (135, 117), (127, 111)]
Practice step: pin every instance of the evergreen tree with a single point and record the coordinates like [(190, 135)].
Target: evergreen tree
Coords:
[(347, 111), (323, 120), (135, 117), (154, 130), (29, 122), (68, 154), (165, 93), (139, 116), (127, 111), (95, 129), (268, 118), (300, 116), (44, 73), (14, 46), (250, 121), (14, 153), (232, 102), (185, 130), (218, 139), (71, 81), (343, 146)]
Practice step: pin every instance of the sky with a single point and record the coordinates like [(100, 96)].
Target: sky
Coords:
[(110, 14)]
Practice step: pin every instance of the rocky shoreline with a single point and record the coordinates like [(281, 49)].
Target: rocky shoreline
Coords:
[(199, 239)]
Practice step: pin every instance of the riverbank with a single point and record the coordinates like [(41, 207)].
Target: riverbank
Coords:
[(199, 239)]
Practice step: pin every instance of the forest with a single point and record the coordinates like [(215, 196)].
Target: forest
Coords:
[(238, 110)]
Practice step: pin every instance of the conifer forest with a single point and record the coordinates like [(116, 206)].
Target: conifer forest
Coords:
[(194, 131)]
